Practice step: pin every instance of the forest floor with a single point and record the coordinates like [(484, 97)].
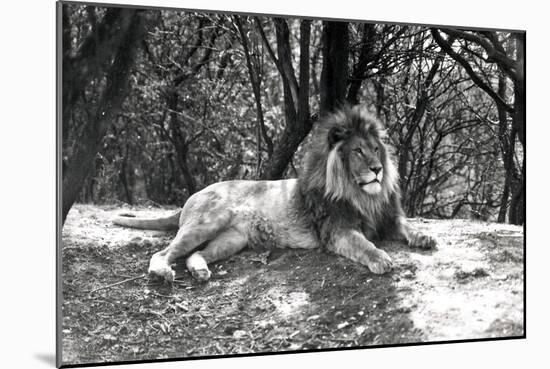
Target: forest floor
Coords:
[(470, 287)]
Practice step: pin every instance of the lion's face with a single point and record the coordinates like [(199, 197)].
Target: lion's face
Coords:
[(349, 161), (363, 155), (358, 154)]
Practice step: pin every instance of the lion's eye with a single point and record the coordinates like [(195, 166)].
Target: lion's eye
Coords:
[(376, 149), (359, 151)]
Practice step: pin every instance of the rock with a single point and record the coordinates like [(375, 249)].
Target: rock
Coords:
[(407, 274), (239, 334), (342, 325), (359, 330)]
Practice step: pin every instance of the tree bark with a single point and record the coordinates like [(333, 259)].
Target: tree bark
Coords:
[(334, 75), (114, 93), (517, 203), (123, 175), (296, 97), (504, 136), (360, 68)]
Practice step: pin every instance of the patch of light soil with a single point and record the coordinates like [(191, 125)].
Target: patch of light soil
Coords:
[(446, 305), (238, 282), (288, 303), (91, 224)]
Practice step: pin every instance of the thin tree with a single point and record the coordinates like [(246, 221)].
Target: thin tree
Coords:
[(130, 27), (298, 121)]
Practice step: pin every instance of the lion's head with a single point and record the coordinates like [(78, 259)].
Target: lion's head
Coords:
[(350, 162)]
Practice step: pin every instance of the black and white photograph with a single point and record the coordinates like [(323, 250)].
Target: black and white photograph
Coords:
[(234, 184)]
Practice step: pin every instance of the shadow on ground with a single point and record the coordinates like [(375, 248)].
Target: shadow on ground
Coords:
[(470, 287)]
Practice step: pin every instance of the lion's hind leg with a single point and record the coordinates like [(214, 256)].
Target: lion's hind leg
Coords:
[(191, 234), (227, 243)]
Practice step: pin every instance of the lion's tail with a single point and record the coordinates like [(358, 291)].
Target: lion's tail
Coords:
[(168, 223)]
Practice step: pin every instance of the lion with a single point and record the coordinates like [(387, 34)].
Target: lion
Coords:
[(347, 197)]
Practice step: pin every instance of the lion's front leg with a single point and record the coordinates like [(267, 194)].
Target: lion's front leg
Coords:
[(355, 246)]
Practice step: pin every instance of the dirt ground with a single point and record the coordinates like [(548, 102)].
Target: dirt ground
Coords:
[(470, 287)]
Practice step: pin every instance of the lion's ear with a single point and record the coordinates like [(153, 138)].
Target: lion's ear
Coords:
[(337, 134)]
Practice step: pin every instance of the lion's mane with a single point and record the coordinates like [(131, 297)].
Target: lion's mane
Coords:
[(327, 192)]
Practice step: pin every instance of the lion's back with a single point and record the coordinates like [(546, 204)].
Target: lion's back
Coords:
[(242, 193)]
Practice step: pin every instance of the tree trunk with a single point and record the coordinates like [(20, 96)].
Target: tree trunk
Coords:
[(93, 56), (334, 76), (93, 131), (360, 68), (179, 140), (334, 81), (517, 204), (506, 145), (296, 97), (123, 175)]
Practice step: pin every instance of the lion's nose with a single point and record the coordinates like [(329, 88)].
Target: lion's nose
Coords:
[(376, 170)]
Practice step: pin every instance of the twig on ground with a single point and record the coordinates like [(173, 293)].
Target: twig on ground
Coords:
[(183, 283), (161, 295), (347, 299), (117, 283), (338, 339)]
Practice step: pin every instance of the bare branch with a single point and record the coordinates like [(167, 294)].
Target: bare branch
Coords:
[(495, 52), (475, 78), (285, 57)]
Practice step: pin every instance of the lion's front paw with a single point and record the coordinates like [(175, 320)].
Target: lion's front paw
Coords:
[(379, 261), (422, 241), (164, 274), (201, 275), (159, 269), (198, 267)]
